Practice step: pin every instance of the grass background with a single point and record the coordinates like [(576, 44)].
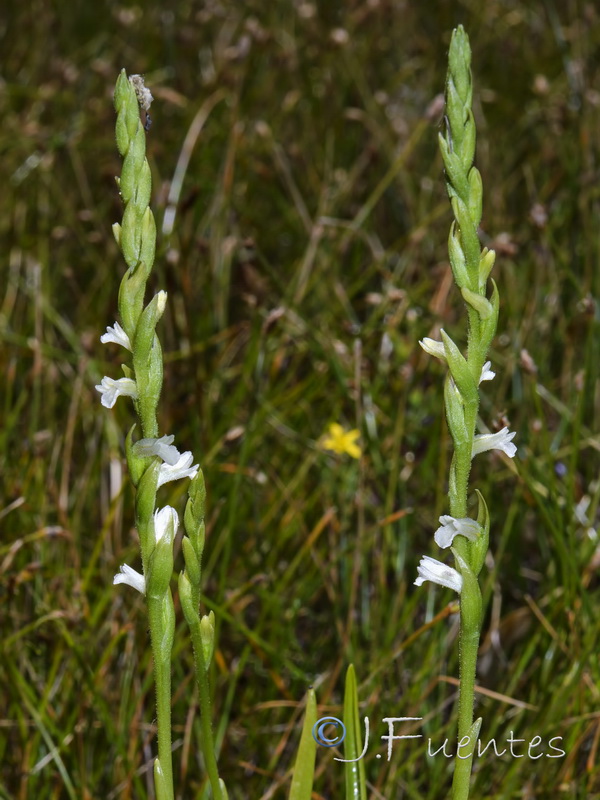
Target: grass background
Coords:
[(307, 257)]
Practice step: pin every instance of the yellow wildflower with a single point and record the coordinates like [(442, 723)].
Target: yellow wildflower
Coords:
[(341, 441)]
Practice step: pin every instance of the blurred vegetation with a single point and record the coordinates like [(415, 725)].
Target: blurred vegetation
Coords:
[(296, 145)]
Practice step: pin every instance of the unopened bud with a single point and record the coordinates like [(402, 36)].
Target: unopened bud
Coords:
[(207, 632), (481, 304)]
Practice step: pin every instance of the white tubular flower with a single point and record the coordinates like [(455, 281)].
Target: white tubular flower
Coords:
[(495, 441), (433, 348), (451, 527), (131, 577), (486, 372), (166, 520), (432, 570), (181, 469), (110, 389), (163, 448), (116, 335)]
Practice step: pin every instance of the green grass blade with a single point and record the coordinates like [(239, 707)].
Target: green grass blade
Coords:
[(304, 768), (356, 788)]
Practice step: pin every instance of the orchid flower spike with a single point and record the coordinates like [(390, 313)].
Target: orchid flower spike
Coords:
[(451, 527), (110, 389), (116, 335), (130, 577), (495, 441), (430, 569)]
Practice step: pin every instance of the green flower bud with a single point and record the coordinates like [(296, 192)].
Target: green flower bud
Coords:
[(143, 186), (459, 65), (455, 112), (460, 371), (489, 323), (121, 133), (486, 263), (192, 564), (146, 495), (457, 258), (161, 564), (471, 608), (468, 238), (193, 519), (130, 235), (197, 495), (145, 331), (468, 145), (121, 91), (475, 195), (455, 412), (132, 164), (125, 99), (128, 118), (454, 170), (186, 598), (148, 241), (481, 304), (155, 373), (137, 465), (161, 571), (207, 634), (131, 299), (479, 548)]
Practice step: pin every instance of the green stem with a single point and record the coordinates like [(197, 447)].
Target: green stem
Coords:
[(162, 682), (470, 629), (207, 744), (461, 464), (468, 647)]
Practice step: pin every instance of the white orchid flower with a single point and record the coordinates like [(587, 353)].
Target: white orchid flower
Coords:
[(164, 519), (486, 372), (430, 569), (436, 349), (181, 469), (177, 465), (163, 448), (116, 335), (451, 527), (130, 577), (495, 441), (110, 389), (433, 348)]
